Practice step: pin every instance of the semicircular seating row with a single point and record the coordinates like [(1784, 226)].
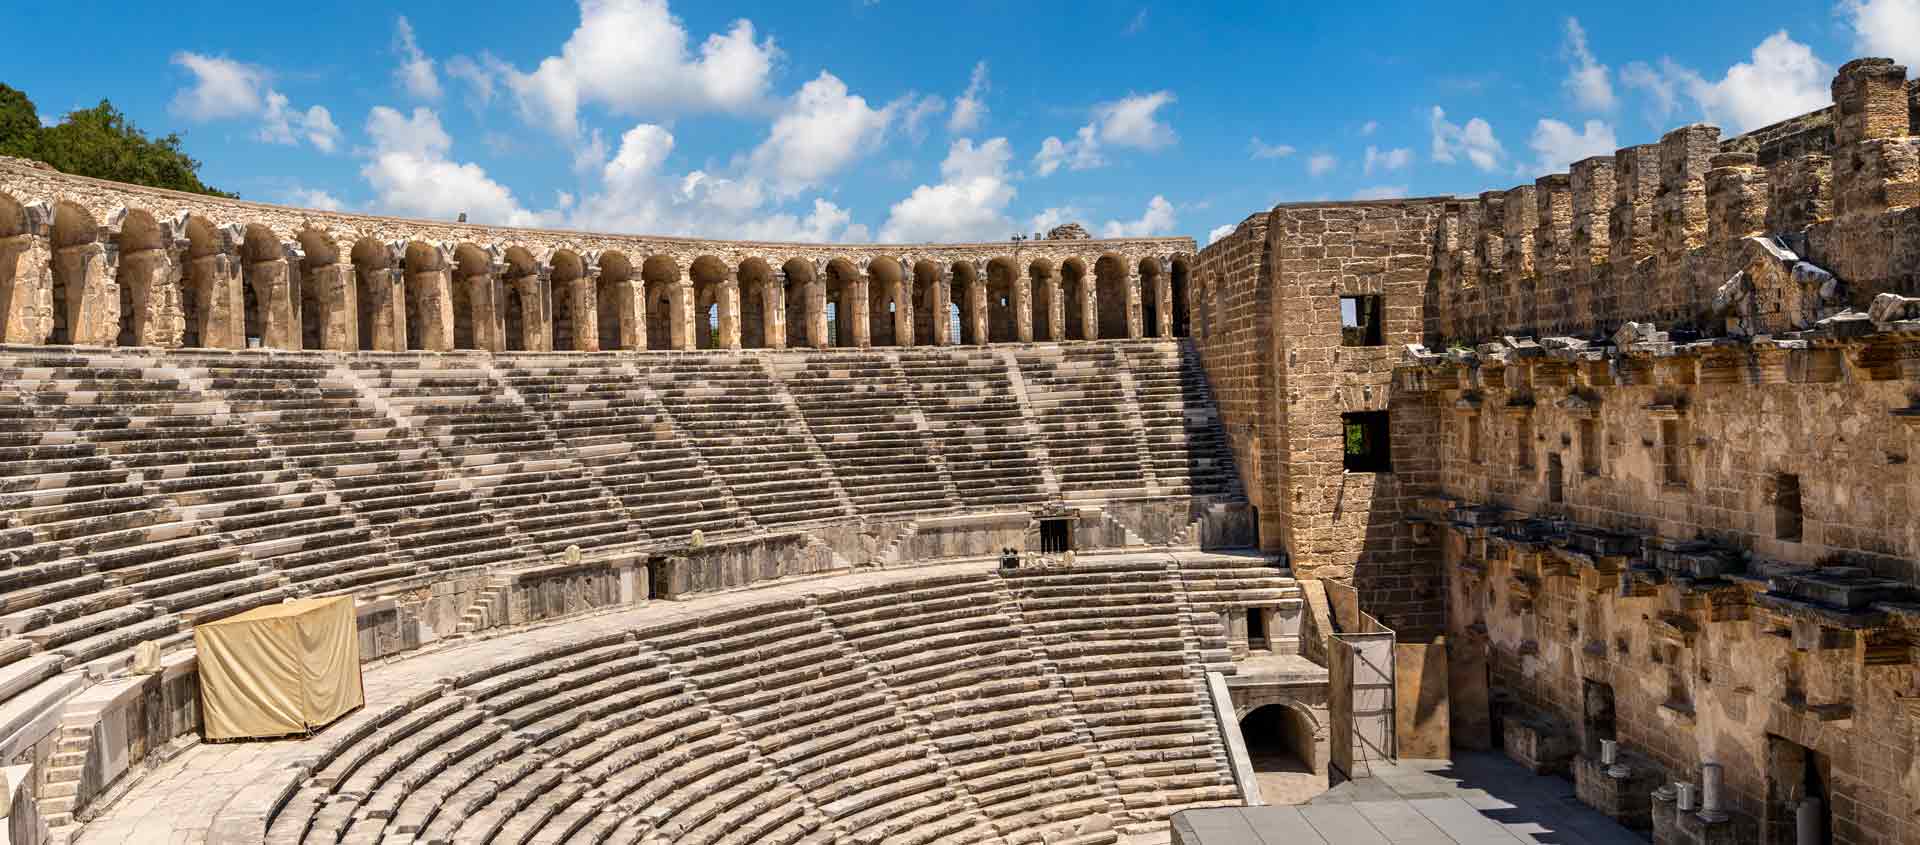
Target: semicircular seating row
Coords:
[(145, 490), (1053, 705)]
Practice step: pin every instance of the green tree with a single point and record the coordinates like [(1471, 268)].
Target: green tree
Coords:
[(19, 122), (99, 142)]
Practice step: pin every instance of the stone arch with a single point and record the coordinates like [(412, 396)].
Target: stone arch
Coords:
[(1077, 308), (759, 314), (471, 291), (969, 297), (569, 303), (428, 303), (1151, 281), (1003, 300), (931, 310), (806, 317), (666, 324), (1045, 297), (269, 312), (84, 310), (328, 308), (844, 303), (613, 299), (1287, 739), (1112, 284), (523, 302), (149, 297), (715, 309), (1179, 278), (889, 309)]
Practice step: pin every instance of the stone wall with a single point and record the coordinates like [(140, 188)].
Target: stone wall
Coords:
[(1268, 324)]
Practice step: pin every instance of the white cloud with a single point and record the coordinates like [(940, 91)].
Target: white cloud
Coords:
[(1081, 153), (224, 89), (1133, 122), (1559, 146), (1885, 28), (313, 198), (1261, 149), (1475, 140), (1587, 79), (1321, 164), (477, 77), (1158, 219), (1783, 78), (1046, 220), (1381, 192), (1219, 232), (916, 111), (1395, 159), (415, 74), (1138, 24), (969, 204), (635, 56), (823, 128), (971, 108), (411, 175), (1367, 129)]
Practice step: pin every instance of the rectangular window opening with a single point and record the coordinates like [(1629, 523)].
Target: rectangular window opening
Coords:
[(1556, 481), (1361, 321), (1473, 439), (1590, 447), (1523, 444), (1672, 454), (1787, 516), (1256, 628), (1368, 446)]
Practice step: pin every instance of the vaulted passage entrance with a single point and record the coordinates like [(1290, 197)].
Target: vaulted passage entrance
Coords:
[(1280, 744)]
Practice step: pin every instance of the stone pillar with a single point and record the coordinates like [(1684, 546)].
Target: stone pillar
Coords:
[(630, 301), (903, 312), (272, 284), (773, 309), (483, 308), (855, 299), (432, 296), (942, 307), (219, 306), (339, 312), (1056, 307), (154, 315), (1877, 168), (1552, 246), (584, 310), (26, 281), (680, 326), (1022, 306), (1136, 317), (536, 325), (1519, 220), (728, 299), (1163, 293), (1593, 191), (1090, 306), (976, 310), (1630, 222)]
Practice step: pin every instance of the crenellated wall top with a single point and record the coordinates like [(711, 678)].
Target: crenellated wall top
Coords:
[(26, 183)]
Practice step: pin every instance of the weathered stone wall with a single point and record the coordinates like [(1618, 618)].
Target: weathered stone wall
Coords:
[(1681, 518), (1268, 324)]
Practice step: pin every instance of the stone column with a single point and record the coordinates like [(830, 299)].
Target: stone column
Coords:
[(1163, 294), (339, 312), (680, 325), (536, 326), (271, 282), (1056, 307), (975, 312), (1022, 306), (146, 275), (728, 298), (630, 302), (1135, 317), (903, 310), (941, 298), (483, 308), (26, 281), (773, 310), (586, 310), (861, 308), (433, 302), (219, 304), (816, 311), (1876, 167)]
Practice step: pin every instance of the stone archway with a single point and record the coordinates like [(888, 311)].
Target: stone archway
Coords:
[(1287, 745)]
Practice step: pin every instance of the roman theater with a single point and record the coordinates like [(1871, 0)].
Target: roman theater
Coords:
[(1608, 479)]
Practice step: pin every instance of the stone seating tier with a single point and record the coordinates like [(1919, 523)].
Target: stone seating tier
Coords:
[(798, 719)]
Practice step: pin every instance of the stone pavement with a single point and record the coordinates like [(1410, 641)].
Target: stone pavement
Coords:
[(1478, 798)]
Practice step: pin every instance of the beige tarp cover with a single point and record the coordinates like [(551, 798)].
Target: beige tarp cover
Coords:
[(280, 669)]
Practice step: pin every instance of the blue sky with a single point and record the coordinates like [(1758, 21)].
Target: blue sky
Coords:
[(897, 121)]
